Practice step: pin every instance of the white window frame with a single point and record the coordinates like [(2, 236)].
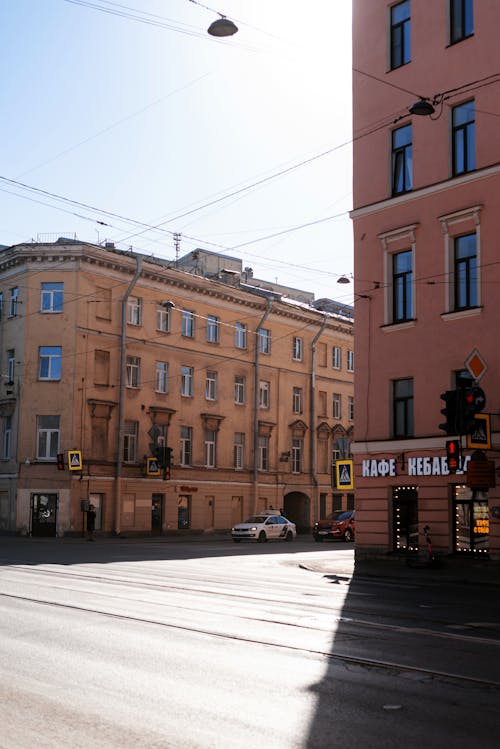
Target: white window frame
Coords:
[(11, 366), (161, 377), (134, 310), (213, 329), (187, 381), (350, 361), (239, 389), (186, 445), (264, 394), (239, 451), (13, 301), (130, 442), (51, 437), (297, 348), (52, 355), (51, 297), (297, 455), (240, 335), (336, 357), (211, 386), (187, 323), (133, 372), (297, 400), (264, 341), (263, 452), (337, 406), (163, 318), (210, 448)]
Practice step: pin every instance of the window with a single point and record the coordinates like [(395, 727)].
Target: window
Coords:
[(133, 372), (47, 441), (14, 301), (402, 159), (239, 389), (186, 445), (240, 335), (210, 444), (6, 437), (297, 455), (134, 311), (297, 397), (463, 138), (400, 34), (187, 323), (50, 363), (211, 386), (52, 297), (465, 271), (130, 442), (163, 318), (461, 20), (161, 377), (187, 381), (297, 348), (264, 341), (213, 329), (264, 396), (239, 450), (336, 357), (337, 406), (402, 285), (350, 361), (11, 366), (1, 305), (403, 408), (101, 367), (350, 408), (263, 453)]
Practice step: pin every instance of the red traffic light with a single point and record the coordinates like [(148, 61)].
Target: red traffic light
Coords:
[(453, 455)]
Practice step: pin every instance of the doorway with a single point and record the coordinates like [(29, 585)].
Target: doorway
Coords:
[(404, 518), (43, 515), (156, 514)]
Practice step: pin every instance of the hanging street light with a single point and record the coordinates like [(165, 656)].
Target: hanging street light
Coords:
[(222, 27)]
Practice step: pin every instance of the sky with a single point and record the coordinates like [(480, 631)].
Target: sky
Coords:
[(126, 122)]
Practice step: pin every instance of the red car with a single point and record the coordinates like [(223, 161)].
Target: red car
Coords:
[(340, 524)]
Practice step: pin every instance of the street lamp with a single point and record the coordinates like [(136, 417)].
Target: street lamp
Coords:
[(222, 27), (422, 108)]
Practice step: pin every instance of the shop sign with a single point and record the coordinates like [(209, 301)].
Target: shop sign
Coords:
[(421, 466)]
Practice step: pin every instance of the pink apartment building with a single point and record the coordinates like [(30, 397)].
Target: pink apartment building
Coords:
[(426, 216)]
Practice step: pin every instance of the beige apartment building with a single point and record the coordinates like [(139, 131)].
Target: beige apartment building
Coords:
[(111, 360)]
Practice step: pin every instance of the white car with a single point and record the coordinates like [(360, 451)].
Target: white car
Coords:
[(264, 527)]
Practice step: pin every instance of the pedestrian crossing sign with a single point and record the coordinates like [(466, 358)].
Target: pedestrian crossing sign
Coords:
[(152, 467), (480, 436), (75, 462), (344, 474)]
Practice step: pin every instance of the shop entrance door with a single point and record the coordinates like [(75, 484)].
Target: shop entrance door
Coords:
[(43, 514), (471, 526), (404, 518), (156, 514)]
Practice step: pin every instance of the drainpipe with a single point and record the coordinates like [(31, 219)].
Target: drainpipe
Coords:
[(312, 412), (121, 409), (256, 406)]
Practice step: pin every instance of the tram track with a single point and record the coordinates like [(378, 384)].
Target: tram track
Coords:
[(354, 660)]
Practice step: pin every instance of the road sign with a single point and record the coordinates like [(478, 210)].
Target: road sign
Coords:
[(480, 436), (152, 467), (476, 365), (344, 474), (75, 462)]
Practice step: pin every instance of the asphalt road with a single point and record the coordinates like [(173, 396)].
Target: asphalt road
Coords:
[(190, 644)]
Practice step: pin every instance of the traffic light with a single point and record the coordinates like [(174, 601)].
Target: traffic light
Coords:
[(472, 401), (167, 468), (60, 462), (449, 412), (453, 455)]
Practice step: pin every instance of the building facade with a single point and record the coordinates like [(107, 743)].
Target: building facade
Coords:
[(427, 270), (110, 358)]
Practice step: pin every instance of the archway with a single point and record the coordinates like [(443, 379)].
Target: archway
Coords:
[(297, 508)]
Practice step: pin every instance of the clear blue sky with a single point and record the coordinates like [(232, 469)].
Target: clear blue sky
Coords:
[(145, 122)]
